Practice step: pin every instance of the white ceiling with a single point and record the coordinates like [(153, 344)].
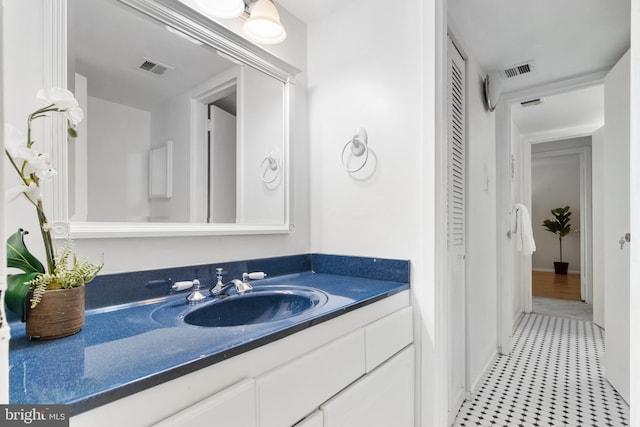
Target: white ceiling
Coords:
[(108, 42), (580, 110), (565, 39)]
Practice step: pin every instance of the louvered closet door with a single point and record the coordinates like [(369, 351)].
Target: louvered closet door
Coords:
[(456, 135)]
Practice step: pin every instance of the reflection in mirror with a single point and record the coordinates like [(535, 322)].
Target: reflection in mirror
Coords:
[(145, 86)]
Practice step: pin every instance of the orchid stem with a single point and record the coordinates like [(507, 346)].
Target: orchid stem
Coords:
[(46, 238)]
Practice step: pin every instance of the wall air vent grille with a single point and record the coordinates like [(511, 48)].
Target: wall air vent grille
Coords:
[(519, 69), (154, 67)]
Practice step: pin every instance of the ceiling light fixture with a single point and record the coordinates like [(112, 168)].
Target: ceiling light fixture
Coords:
[(263, 25), (226, 9)]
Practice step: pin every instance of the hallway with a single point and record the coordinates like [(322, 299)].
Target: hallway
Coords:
[(554, 377)]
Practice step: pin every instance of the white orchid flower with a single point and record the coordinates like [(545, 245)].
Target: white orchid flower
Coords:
[(47, 174), (61, 98), (32, 191), (74, 115), (16, 145), (40, 165)]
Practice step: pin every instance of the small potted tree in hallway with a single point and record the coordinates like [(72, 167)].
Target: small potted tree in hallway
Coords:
[(560, 226)]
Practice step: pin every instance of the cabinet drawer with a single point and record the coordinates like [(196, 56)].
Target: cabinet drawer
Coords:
[(387, 336), (233, 406), (288, 393), (385, 397)]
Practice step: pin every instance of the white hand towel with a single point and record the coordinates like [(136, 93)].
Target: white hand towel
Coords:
[(524, 231)]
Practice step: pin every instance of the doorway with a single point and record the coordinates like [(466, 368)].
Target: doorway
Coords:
[(555, 138), (561, 178)]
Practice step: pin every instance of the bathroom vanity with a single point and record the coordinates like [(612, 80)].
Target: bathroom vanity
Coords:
[(349, 357)]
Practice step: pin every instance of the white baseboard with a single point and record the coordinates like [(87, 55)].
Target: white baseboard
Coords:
[(478, 381)]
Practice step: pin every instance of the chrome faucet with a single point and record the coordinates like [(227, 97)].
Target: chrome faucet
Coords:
[(241, 286)]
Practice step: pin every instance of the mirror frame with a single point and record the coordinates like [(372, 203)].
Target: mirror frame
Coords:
[(183, 18)]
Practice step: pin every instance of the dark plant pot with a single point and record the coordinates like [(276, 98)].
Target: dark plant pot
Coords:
[(561, 267), (59, 314)]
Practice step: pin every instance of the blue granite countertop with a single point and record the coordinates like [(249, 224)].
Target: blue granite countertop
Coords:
[(122, 350)]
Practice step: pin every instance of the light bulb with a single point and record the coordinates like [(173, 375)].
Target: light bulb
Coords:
[(263, 25)]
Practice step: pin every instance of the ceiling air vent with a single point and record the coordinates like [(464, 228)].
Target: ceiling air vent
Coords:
[(532, 102), (155, 66), (519, 69)]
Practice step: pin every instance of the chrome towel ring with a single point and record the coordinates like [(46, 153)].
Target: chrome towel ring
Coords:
[(270, 163), (359, 149)]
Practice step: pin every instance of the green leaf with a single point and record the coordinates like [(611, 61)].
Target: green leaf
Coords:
[(18, 256), (17, 290), (72, 132)]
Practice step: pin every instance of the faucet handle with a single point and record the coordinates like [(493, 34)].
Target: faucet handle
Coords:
[(253, 276), (182, 285)]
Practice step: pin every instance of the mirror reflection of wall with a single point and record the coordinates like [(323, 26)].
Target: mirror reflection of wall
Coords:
[(141, 86)]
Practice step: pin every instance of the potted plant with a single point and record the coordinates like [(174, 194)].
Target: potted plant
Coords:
[(560, 225), (51, 299)]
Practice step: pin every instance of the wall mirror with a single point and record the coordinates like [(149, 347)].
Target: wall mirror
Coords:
[(187, 125)]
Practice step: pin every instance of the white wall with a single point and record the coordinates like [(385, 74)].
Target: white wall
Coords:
[(24, 76), (170, 122), (369, 67), (481, 227), (118, 139), (361, 76), (555, 182), (260, 134)]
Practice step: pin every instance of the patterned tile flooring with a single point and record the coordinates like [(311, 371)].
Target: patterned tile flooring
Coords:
[(554, 377)]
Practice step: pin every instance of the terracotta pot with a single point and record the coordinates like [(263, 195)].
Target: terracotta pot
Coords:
[(59, 314)]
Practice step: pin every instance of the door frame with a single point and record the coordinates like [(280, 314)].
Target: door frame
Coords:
[(506, 256), (586, 224)]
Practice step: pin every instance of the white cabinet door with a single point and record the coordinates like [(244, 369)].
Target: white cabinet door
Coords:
[(233, 406), (383, 398), (288, 393)]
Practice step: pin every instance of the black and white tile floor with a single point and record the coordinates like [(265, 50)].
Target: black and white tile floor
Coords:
[(554, 377)]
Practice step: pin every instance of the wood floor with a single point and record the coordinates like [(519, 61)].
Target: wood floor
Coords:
[(551, 285)]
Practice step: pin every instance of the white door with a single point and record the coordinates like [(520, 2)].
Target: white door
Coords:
[(456, 136), (222, 166), (616, 202)]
